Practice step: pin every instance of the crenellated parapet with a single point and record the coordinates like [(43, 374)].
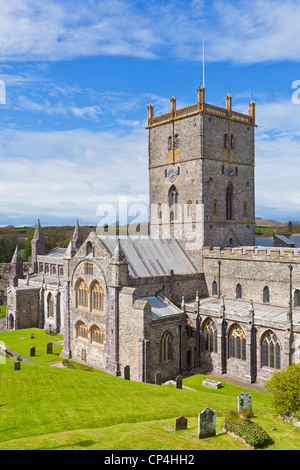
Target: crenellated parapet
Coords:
[(253, 253)]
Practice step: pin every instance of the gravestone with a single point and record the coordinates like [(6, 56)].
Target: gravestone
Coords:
[(17, 365), (32, 351), (49, 348), (32, 336), (244, 401), (127, 372), (206, 423), (158, 378), (180, 423), (211, 383), (178, 381)]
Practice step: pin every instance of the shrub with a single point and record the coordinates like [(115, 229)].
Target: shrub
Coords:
[(247, 413), (284, 387), (251, 432)]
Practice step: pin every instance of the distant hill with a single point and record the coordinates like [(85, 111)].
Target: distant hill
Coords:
[(268, 222)]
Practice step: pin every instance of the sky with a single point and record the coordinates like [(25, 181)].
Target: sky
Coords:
[(76, 77)]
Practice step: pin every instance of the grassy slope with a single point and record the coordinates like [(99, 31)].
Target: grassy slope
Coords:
[(42, 407)]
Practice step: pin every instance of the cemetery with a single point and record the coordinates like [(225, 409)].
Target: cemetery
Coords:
[(73, 409)]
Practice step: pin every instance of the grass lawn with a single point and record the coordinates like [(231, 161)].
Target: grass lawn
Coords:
[(44, 407), (3, 311)]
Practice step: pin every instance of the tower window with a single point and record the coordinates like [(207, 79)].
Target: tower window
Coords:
[(214, 288), (266, 295), (229, 200), (245, 209), (176, 142), (170, 144), (215, 207), (178, 170), (297, 298), (173, 202), (238, 291), (232, 142), (226, 141)]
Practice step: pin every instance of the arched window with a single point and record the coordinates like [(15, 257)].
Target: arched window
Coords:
[(238, 291), (229, 201), (266, 295), (271, 351), (50, 306), (97, 298), (170, 144), (96, 335), (210, 336), (81, 294), (89, 248), (176, 142), (166, 346), (214, 288), (237, 343), (81, 330), (226, 141), (173, 202), (232, 142), (297, 298)]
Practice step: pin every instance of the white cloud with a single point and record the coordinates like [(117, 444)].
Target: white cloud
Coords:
[(68, 174)]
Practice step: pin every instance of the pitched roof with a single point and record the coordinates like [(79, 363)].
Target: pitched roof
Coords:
[(148, 256)]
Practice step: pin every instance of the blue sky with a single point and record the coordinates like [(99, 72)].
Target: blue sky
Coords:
[(78, 76)]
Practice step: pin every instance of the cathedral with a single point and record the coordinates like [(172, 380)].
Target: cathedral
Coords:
[(199, 293)]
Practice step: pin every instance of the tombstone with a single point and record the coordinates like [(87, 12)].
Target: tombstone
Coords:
[(206, 423), (17, 365), (49, 348), (127, 372), (32, 336), (211, 383), (180, 423), (178, 381), (158, 378), (244, 401), (32, 351)]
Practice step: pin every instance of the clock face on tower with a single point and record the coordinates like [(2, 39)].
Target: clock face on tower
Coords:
[(172, 175), (230, 174)]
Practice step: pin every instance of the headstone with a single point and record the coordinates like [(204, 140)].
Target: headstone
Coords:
[(32, 336), (32, 351), (49, 348), (244, 401), (180, 423), (178, 381), (127, 372), (17, 365), (211, 383), (158, 378), (206, 423)]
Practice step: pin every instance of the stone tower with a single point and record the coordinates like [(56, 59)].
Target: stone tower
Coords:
[(201, 175), (38, 247)]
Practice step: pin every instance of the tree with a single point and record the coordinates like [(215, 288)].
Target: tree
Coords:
[(284, 387)]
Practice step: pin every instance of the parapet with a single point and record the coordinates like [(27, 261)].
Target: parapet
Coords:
[(253, 253)]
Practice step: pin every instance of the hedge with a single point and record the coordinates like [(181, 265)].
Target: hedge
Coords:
[(251, 432)]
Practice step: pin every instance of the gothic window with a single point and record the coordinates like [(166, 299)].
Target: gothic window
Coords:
[(89, 248), (166, 346), (229, 200), (176, 142), (170, 144), (210, 336), (226, 141), (81, 294), (297, 298), (232, 142), (178, 170), (97, 298), (238, 291), (266, 295), (88, 268), (237, 343), (173, 203), (81, 330), (214, 288), (245, 209), (50, 306), (271, 351), (96, 335)]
